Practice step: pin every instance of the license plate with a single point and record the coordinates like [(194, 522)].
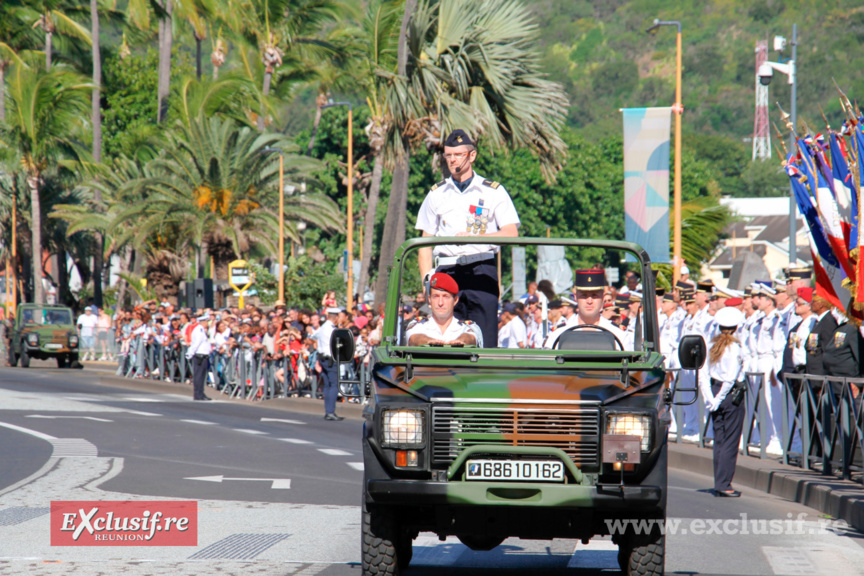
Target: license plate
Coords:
[(516, 470), (53, 346)]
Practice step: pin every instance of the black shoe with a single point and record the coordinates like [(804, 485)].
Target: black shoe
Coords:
[(203, 398), (333, 417), (727, 494)]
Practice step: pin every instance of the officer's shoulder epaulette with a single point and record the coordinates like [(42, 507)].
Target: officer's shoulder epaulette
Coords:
[(491, 184), (437, 185), (466, 322)]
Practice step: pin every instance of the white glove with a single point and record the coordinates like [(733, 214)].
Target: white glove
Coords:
[(714, 404)]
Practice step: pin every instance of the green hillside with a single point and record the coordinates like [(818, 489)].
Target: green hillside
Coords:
[(600, 51)]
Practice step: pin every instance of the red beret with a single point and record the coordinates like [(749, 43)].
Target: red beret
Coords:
[(734, 301), (806, 294), (441, 281)]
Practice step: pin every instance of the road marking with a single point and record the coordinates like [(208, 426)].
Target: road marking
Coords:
[(334, 452), (141, 399), (277, 483), (282, 420), (140, 413), (93, 418), (39, 435), (249, 431), (295, 441), (356, 465), (598, 553), (202, 422)]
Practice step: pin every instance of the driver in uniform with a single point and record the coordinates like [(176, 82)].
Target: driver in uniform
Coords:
[(589, 297), (466, 204), (441, 328)]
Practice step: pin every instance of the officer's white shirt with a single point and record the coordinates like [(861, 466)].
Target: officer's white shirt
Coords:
[(322, 336), (670, 336), (728, 370), (446, 211), (768, 340), (788, 318), (199, 344), (456, 328), (798, 340)]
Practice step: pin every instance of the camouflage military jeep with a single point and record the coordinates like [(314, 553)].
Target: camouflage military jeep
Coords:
[(42, 332), (491, 443)]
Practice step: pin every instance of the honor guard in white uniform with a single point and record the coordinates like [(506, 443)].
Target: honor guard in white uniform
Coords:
[(634, 307), (689, 428), (466, 204), (670, 322), (718, 376), (329, 368), (785, 306), (442, 328), (768, 342), (589, 286)]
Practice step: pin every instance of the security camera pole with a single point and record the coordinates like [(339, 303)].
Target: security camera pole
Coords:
[(765, 73)]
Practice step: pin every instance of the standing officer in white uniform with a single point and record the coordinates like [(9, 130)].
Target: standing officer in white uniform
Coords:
[(329, 368), (768, 342), (199, 353), (466, 204)]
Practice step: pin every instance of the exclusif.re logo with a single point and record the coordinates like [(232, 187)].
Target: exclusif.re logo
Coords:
[(124, 523)]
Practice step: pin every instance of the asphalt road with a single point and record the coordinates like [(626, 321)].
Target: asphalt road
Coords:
[(278, 493)]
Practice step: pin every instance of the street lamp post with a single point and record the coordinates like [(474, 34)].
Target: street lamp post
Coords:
[(765, 74), (678, 108), (350, 239)]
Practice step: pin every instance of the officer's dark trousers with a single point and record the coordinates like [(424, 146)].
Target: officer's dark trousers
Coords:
[(728, 421), (329, 374), (478, 296), (200, 365)]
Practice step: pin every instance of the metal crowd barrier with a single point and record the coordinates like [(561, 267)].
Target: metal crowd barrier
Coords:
[(241, 373), (821, 427)]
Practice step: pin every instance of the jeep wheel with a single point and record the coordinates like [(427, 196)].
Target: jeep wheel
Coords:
[(386, 548), (642, 554), (13, 357), (62, 361), (25, 358)]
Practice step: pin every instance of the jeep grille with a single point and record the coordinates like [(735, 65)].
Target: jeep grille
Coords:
[(575, 431)]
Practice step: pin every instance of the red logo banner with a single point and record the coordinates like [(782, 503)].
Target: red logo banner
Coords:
[(124, 523)]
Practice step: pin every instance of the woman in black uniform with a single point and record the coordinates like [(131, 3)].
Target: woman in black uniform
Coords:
[(724, 368)]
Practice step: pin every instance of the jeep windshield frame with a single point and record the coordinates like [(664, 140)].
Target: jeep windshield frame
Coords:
[(646, 356)]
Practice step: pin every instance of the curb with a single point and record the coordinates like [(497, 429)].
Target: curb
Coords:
[(840, 499)]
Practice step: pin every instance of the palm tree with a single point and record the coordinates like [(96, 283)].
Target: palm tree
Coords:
[(7, 58), (46, 110), (471, 64), (54, 19), (215, 185)]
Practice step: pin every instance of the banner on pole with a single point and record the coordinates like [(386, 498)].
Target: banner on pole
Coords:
[(646, 179)]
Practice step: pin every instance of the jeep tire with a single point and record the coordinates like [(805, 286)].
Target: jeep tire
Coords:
[(642, 554), (25, 358), (386, 548), (13, 357), (62, 361)]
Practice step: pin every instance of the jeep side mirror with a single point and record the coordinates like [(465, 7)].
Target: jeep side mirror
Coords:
[(342, 345), (692, 352)]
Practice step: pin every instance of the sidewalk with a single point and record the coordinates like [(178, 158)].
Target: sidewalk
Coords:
[(842, 500)]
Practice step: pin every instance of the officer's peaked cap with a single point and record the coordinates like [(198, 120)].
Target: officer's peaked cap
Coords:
[(458, 138)]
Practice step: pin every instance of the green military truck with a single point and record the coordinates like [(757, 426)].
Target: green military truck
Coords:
[(41, 331), (489, 443)]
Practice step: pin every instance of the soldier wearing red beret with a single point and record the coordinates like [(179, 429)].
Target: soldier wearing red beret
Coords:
[(442, 328)]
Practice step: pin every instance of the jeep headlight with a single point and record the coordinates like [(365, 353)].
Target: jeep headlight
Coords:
[(33, 339), (403, 426), (631, 425), (73, 340)]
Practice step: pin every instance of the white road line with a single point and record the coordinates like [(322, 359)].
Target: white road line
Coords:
[(277, 483), (140, 413), (249, 431), (334, 452), (295, 441), (356, 465), (28, 431), (596, 554), (283, 420), (47, 417), (141, 399), (202, 422)]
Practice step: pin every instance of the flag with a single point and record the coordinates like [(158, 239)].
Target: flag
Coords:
[(646, 179), (843, 189)]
